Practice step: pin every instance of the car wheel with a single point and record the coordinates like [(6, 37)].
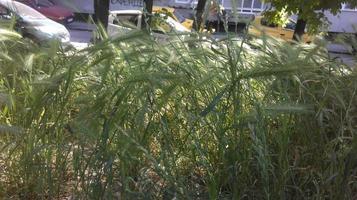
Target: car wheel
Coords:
[(32, 38)]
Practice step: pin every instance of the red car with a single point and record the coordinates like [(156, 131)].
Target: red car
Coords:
[(50, 10)]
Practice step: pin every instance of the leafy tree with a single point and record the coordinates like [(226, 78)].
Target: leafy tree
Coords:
[(310, 12)]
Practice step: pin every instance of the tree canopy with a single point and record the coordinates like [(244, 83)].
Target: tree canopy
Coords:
[(312, 12)]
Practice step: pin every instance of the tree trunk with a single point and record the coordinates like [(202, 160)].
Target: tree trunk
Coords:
[(101, 12), (148, 5), (147, 17), (199, 12), (299, 29)]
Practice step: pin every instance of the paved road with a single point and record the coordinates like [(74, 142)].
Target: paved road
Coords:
[(80, 39), (341, 52), (348, 59)]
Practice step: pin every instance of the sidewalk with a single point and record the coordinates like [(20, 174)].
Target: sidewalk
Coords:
[(338, 48), (342, 53), (347, 59), (81, 26)]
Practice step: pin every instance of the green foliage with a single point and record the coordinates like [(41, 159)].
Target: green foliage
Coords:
[(277, 17), (310, 11), (132, 118)]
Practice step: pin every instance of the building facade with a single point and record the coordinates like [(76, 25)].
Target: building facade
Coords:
[(345, 21)]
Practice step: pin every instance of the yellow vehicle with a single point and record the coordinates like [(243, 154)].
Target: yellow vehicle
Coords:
[(261, 26), (174, 14)]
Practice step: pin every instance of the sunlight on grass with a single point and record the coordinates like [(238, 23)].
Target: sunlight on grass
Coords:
[(134, 118)]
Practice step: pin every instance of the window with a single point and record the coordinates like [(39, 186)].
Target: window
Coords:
[(247, 4), (239, 3), (3, 11), (5, 14), (348, 6), (5, 17), (257, 4), (182, 1), (130, 21)]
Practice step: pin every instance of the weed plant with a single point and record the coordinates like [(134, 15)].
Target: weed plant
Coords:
[(133, 118)]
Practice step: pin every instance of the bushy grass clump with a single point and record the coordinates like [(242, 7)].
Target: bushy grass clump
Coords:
[(133, 118)]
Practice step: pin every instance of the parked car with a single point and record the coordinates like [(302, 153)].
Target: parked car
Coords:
[(260, 26), (55, 12), (122, 21), (172, 12), (31, 23)]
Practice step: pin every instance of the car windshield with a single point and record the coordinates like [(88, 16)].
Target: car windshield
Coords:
[(179, 16), (175, 25), (165, 24), (3, 11), (44, 3), (25, 11), (290, 25)]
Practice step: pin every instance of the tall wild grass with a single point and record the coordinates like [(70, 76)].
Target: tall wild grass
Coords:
[(132, 118)]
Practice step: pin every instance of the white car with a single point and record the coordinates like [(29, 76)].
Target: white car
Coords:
[(123, 21), (30, 23)]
